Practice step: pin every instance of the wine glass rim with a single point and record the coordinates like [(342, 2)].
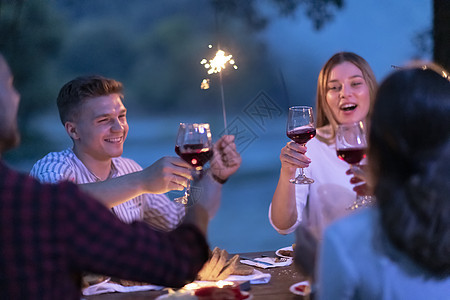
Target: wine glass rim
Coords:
[(351, 124), (195, 123), (300, 107)]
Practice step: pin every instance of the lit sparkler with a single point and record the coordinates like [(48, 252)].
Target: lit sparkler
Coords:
[(216, 65)]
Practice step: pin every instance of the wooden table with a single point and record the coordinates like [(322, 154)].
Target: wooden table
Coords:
[(277, 288)]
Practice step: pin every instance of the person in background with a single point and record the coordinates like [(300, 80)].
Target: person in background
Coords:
[(400, 248), (51, 233), (92, 112), (345, 94)]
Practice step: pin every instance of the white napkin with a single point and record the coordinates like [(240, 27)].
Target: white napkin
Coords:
[(271, 260), (257, 277), (109, 287)]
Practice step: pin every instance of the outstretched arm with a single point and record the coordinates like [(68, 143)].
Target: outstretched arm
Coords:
[(284, 208), (225, 162), (166, 174), (88, 225)]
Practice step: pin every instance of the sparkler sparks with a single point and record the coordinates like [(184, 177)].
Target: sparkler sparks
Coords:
[(205, 84), (216, 65), (219, 62)]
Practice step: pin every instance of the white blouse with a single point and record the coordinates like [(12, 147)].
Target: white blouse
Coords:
[(327, 199)]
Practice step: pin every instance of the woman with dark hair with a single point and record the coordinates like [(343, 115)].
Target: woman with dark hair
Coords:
[(399, 249), (345, 94)]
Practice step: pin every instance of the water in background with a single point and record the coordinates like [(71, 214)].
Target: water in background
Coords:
[(241, 224)]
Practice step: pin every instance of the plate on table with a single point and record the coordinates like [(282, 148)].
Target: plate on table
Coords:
[(301, 288), (287, 252)]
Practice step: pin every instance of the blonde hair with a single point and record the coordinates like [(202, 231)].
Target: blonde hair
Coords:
[(324, 116)]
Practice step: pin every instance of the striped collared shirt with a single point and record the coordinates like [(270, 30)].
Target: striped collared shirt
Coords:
[(155, 209)]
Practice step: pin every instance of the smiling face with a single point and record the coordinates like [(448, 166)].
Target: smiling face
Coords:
[(347, 93), (100, 129)]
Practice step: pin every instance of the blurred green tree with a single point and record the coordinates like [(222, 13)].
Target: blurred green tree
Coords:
[(318, 11), (157, 57), (31, 33), (30, 38), (168, 74), (97, 47), (162, 76), (321, 11)]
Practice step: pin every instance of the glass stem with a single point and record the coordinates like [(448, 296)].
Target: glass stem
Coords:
[(302, 173), (186, 193)]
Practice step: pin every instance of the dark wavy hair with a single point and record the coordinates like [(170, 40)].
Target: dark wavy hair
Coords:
[(74, 92), (410, 159)]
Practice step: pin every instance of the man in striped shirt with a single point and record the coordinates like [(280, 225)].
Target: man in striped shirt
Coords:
[(51, 233), (93, 114)]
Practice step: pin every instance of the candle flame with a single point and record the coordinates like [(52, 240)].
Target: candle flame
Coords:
[(199, 284), (222, 283), (191, 286)]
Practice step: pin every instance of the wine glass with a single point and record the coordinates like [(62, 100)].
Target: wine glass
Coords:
[(300, 128), (194, 146), (351, 147)]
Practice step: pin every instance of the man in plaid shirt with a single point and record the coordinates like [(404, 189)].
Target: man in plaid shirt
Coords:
[(51, 233)]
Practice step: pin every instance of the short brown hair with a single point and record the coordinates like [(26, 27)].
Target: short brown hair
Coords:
[(74, 92)]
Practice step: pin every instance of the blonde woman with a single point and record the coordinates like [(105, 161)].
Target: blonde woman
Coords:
[(400, 248), (345, 94)]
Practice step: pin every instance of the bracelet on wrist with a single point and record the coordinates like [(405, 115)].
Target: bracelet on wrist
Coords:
[(219, 180)]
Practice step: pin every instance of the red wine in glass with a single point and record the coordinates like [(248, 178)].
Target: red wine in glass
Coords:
[(193, 145), (351, 147), (195, 154), (301, 135), (300, 128), (352, 155)]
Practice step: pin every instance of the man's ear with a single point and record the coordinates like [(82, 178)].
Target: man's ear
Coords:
[(71, 130)]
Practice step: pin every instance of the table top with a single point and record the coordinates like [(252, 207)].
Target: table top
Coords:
[(277, 288)]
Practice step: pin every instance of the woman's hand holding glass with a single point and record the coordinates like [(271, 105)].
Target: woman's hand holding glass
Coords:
[(293, 157), (300, 128), (360, 180), (351, 147)]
